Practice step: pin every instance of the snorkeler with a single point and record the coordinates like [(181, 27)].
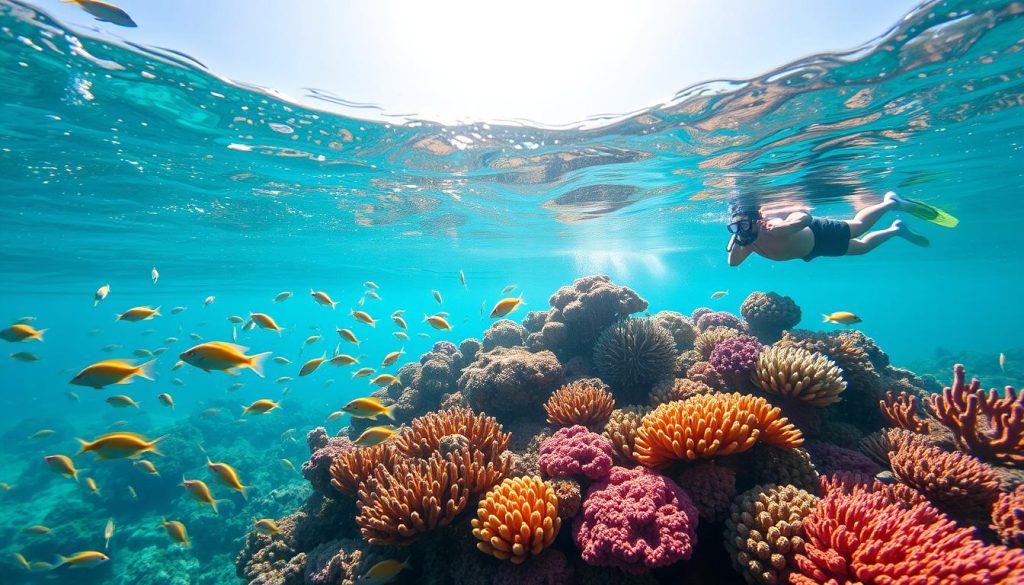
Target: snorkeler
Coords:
[(801, 236)]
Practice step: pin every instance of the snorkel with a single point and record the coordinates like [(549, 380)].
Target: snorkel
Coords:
[(744, 228)]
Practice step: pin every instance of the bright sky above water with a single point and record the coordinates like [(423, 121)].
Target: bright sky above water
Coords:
[(549, 61)]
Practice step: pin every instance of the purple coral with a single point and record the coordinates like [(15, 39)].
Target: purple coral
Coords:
[(735, 358), (830, 459), (636, 519), (719, 319), (323, 450), (576, 451)]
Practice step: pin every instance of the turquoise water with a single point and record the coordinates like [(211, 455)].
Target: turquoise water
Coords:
[(116, 159)]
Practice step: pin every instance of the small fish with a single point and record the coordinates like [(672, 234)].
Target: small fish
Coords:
[(209, 301), (177, 310), (398, 313), (177, 381), (111, 347), (119, 423), (375, 436), (235, 319), (384, 380), (142, 353), (139, 314), (26, 319), (283, 380), (262, 406), (361, 301), (462, 279), (41, 433), (368, 407), (91, 484), (363, 317), (199, 491), (101, 294), (25, 356), (176, 530), (400, 322), (322, 298), (119, 445), (105, 12), (343, 360), (335, 415), (372, 295), (166, 399), (363, 373), (155, 275), (132, 493), (21, 332), (348, 336), (841, 317), (718, 294), (437, 297), (107, 372), (288, 435), (508, 289), (108, 532), (226, 475), (223, 356), (37, 529), (401, 335), (1002, 362), (195, 336), (437, 322), (177, 365), (423, 335), (210, 412), (121, 401), (5, 486), (442, 314), (63, 465), (288, 464), (383, 572), (236, 387), (146, 467), (282, 296), (506, 306), (391, 358), (159, 351), (371, 284), (72, 396), (265, 321), (266, 526), (82, 560), (282, 360), (312, 365), (170, 341), (23, 561)]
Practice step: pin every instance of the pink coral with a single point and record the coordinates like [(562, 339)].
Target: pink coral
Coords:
[(576, 451), (636, 519)]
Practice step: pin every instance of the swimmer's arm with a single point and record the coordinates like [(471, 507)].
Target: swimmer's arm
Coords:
[(737, 254), (794, 223)]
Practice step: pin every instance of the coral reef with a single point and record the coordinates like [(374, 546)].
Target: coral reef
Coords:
[(766, 464), (685, 360), (634, 520), (718, 319), (324, 450), (351, 468), (830, 459), (764, 531), (798, 374), (707, 339), (510, 382), (576, 451), (586, 402), (711, 425), (570, 497), (504, 333), (588, 307), (621, 432), (1008, 517), (633, 354), (672, 389), (734, 359), (951, 480), (769, 314), (517, 519), (711, 487), (679, 326), (706, 374), (902, 411), (481, 432)]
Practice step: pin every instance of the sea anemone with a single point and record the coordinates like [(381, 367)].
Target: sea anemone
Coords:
[(517, 519), (719, 319), (352, 468), (769, 314), (1008, 517), (734, 359), (764, 531), (711, 487), (796, 373), (680, 326), (672, 389), (586, 402), (633, 354), (707, 339), (711, 425), (621, 431)]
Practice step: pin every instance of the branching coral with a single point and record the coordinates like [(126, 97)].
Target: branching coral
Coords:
[(633, 354), (769, 314), (424, 435), (354, 466), (711, 337), (510, 381), (621, 431), (799, 374), (575, 451), (858, 536), (517, 519), (677, 389), (901, 410), (711, 425), (711, 487), (1008, 517), (983, 424), (764, 531), (586, 402), (680, 326), (635, 519), (953, 481)]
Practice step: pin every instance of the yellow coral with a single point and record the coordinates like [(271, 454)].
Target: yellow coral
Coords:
[(621, 430), (792, 372), (517, 519), (586, 402), (764, 531)]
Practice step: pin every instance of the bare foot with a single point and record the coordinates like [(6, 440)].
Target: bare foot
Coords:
[(893, 199), (904, 232)]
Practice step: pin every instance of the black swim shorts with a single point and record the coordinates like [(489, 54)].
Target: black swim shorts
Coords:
[(831, 238)]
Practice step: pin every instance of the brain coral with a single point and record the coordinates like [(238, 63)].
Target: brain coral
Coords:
[(792, 372), (586, 402), (575, 451), (517, 519), (589, 306), (711, 487), (769, 314), (764, 531), (711, 425), (680, 326), (510, 381), (621, 431), (635, 519), (1008, 517), (633, 354)]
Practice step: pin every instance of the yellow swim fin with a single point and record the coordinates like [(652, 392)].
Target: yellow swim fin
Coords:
[(927, 212)]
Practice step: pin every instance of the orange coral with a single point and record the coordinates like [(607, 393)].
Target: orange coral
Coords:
[(517, 519), (423, 436), (586, 402), (901, 410), (711, 425), (352, 468)]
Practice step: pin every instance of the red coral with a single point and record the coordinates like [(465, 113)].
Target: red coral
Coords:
[(901, 410), (1008, 517)]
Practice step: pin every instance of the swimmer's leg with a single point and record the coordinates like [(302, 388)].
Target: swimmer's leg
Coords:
[(876, 238), (867, 217)]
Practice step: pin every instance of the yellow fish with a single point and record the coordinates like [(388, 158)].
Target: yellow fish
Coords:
[(392, 358), (63, 465), (101, 294), (462, 279), (375, 436), (21, 332), (322, 298), (1002, 361), (146, 466), (400, 322), (82, 560), (368, 407), (437, 297), (437, 322), (841, 317), (363, 317), (25, 356), (266, 526), (166, 400), (23, 561), (343, 360), (37, 529), (718, 294), (176, 530), (120, 445), (107, 372), (265, 321), (261, 406), (506, 306), (108, 532), (42, 433), (384, 380), (199, 491), (223, 356), (312, 365), (348, 336), (383, 572), (121, 401), (288, 463), (227, 476), (282, 296), (155, 275), (363, 373), (91, 484), (139, 314)]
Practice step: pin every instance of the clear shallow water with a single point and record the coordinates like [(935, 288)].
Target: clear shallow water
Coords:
[(116, 159)]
